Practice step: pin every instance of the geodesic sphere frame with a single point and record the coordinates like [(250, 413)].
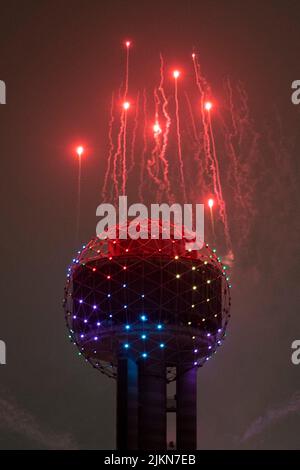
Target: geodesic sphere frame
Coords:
[(152, 300)]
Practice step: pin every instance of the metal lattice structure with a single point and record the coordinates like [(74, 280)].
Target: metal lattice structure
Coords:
[(153, 299)]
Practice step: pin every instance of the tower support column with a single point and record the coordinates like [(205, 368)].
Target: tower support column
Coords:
[(127, 404), (152, 406), (186, 418)]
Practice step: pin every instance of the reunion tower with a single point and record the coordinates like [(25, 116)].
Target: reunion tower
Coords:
[(147, 311)]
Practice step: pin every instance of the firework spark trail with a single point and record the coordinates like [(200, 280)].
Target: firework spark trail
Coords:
[(229, 90), (210, 151), (78, 202), (201, 83), (133, 139), (127, 70), (212, 223), (124, 126), (124, 170), (244, 117), (111, 149), (156, 134), (200, 183), (241, 147), (182, 183), (195, 133), (152, 166), (121, 139), (230, 137), (282, 155), (144, 151), (162, 154), (280, 184), (218, 186), (152, 163), (117, 154)]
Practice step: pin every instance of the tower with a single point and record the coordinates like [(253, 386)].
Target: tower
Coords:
[(148, 312)]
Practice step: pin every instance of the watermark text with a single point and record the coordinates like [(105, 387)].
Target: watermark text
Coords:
[(166, 221)]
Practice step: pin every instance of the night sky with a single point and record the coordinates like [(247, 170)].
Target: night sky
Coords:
[(60, 61)]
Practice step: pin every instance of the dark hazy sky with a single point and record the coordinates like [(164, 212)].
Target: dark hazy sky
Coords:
[(60, 61)]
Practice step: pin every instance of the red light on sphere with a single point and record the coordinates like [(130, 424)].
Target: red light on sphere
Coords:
[(210, 203), (79, 150), (127, 43), (193, 55), (208, 105), (176, 73), (126, 105)]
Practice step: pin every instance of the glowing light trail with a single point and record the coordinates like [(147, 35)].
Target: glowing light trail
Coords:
[(176, 74)]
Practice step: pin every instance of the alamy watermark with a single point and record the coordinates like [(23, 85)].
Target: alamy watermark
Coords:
[(2, 92), (2, 353), (295, 97), (295, 357), (188, 222)]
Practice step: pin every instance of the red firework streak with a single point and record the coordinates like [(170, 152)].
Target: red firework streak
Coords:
[(176, 75), (166, 132), (152, 152), (111, 149), (79, 151)]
